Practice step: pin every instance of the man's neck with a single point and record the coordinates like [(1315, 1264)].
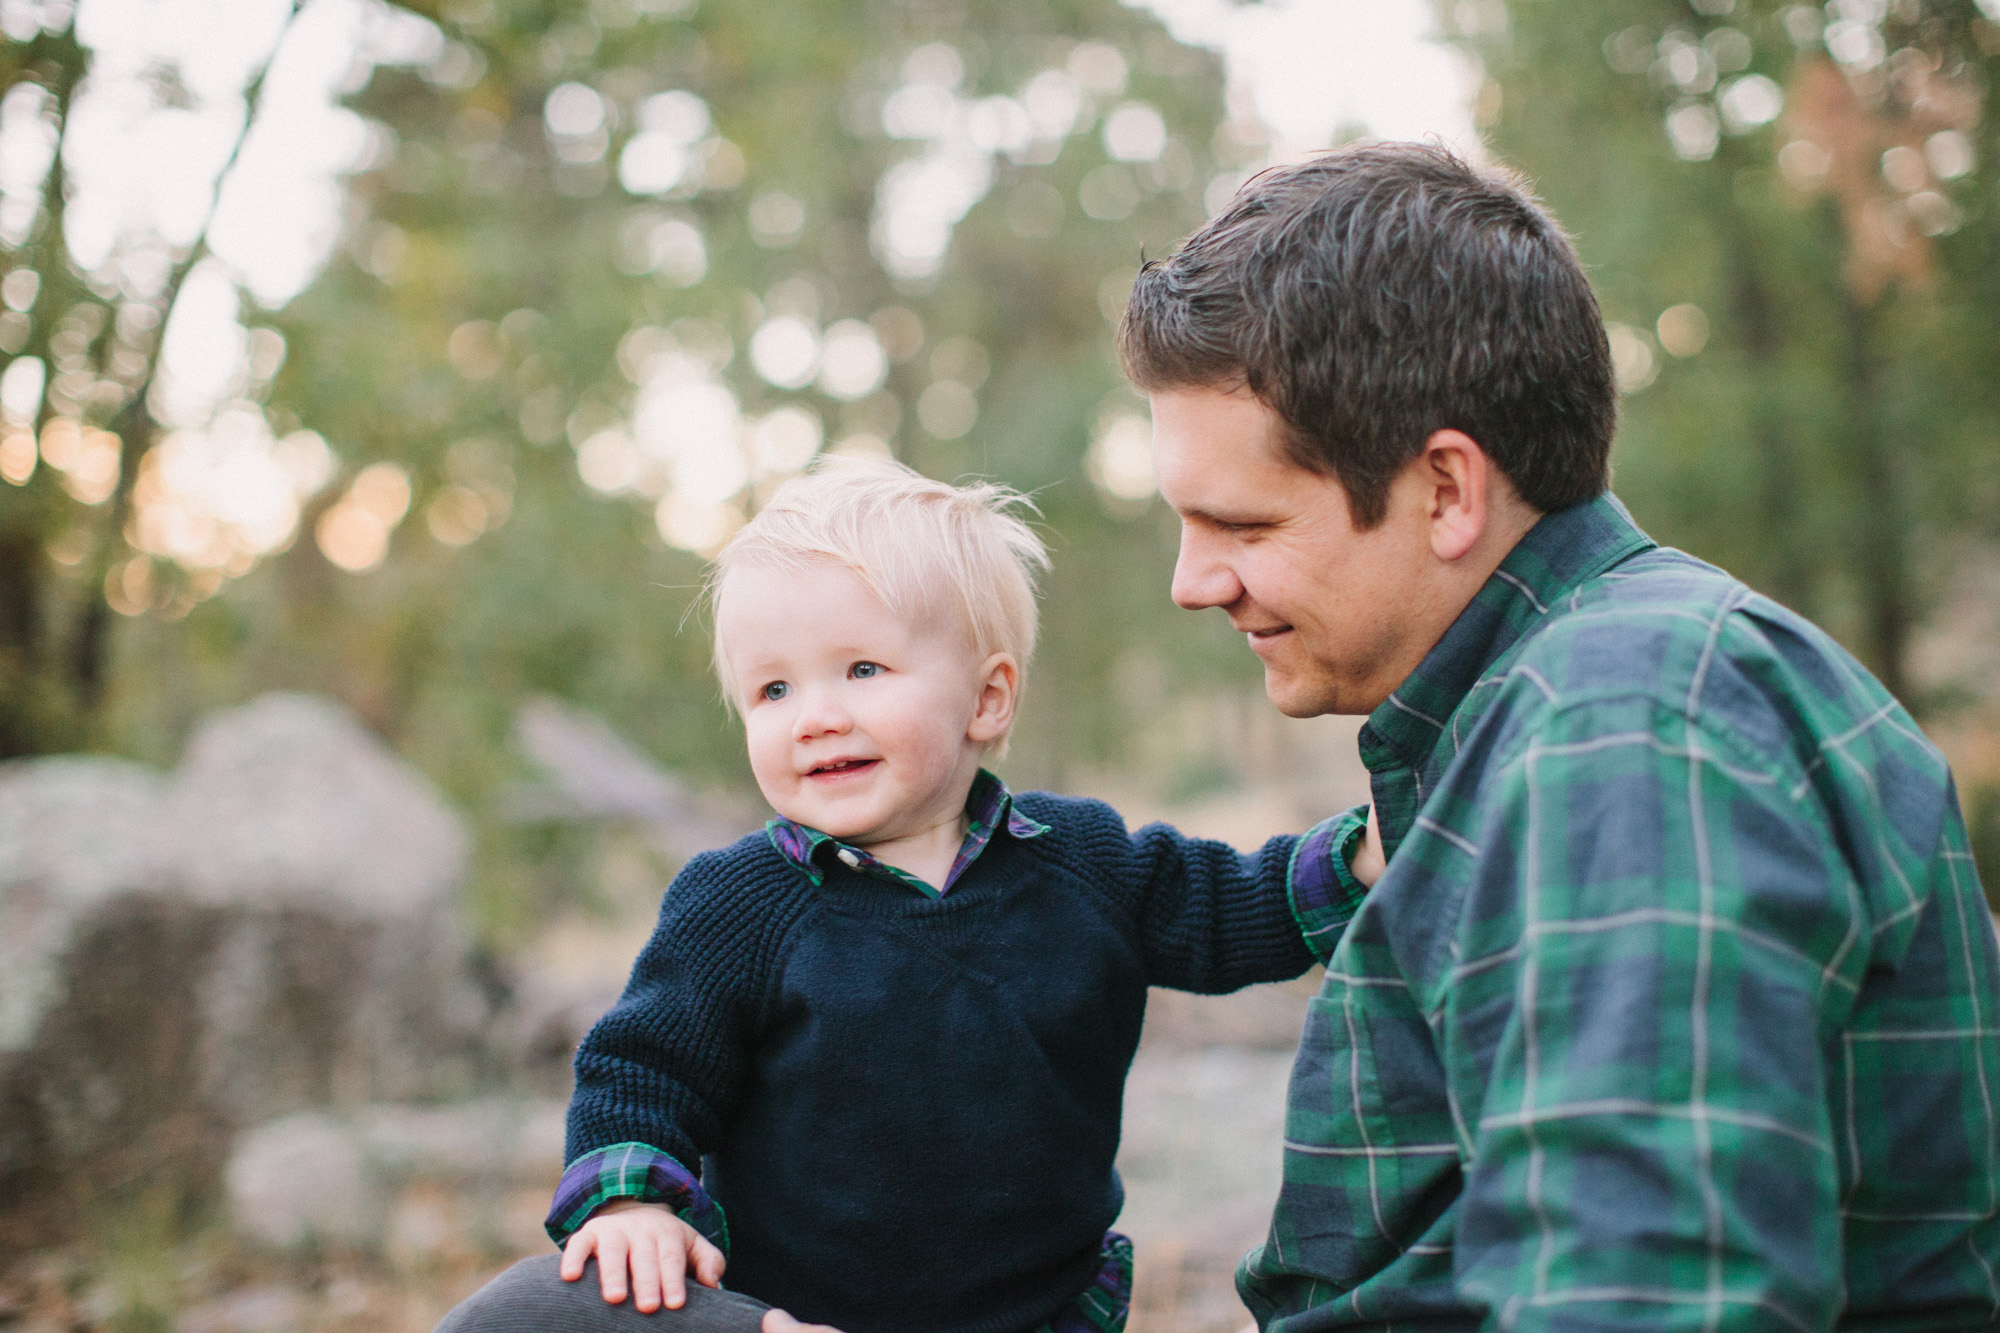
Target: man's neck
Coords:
[(1435, 605)]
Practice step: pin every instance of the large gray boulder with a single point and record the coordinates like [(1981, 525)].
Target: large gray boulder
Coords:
[(268, 928), (336, 1177)]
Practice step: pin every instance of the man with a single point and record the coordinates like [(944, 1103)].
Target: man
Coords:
[(1675, 1003)]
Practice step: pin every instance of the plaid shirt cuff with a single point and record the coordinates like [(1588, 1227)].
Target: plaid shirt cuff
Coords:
[(1101, 1307), (633, 1171), (1323, 891)]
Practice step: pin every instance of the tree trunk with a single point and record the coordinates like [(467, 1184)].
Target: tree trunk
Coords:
[(1881, 549), (37, 714), (1787, 573), (21, 573)]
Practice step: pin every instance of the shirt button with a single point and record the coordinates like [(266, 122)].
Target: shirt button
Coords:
[(850, 856)]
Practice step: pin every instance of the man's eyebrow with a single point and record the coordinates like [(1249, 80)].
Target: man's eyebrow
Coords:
[(1222, 520)]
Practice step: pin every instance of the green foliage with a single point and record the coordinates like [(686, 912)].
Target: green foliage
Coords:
[(469, 329), (1830, 438), (1982, 820)]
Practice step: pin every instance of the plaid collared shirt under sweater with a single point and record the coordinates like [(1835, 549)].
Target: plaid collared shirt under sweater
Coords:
[(1676, 1005)]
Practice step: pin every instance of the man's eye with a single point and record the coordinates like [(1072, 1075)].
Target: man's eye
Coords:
[(864, 670), (776, 690)]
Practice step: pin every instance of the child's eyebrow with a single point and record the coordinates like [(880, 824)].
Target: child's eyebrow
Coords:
[(842, 652)]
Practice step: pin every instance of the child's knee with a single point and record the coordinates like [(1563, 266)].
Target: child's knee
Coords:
[(531, 1297)]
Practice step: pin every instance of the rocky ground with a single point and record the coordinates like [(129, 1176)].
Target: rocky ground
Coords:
[(1200, 1161), (253, 1079)]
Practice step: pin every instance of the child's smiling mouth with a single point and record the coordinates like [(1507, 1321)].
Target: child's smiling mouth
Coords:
[(841, 768)]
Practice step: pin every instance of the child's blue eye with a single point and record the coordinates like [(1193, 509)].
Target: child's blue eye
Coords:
[(776, 690), (864, 670)]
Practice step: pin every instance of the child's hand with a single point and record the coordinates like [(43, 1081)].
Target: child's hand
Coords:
[(1368, 863), (658, 1248)]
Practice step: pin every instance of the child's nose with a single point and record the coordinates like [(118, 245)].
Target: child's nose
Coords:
[(821, 715)]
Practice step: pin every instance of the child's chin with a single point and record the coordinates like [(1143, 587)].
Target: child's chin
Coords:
[(847, 829)]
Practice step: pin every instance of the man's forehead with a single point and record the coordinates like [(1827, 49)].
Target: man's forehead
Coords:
[(1216, 449)]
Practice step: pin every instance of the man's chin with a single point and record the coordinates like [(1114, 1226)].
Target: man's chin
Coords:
[(1302, 698), (1290, 696)]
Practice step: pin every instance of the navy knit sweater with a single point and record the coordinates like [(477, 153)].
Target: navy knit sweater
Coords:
[(909, 1107)]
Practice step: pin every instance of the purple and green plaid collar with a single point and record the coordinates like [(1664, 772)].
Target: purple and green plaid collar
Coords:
[(987, 806)]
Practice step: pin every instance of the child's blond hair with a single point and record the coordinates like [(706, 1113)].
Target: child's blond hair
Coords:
[(922, 546)]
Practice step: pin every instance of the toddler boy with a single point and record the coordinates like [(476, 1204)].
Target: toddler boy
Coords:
[(877, 1052)]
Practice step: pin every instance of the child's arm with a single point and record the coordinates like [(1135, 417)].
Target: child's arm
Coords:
[(1213, 919), (657, 1078)]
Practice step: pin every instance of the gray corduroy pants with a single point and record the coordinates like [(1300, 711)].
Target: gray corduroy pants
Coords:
[(531, 1297)]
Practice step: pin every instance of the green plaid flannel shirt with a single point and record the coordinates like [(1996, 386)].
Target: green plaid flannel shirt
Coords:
[(1670, 1010)]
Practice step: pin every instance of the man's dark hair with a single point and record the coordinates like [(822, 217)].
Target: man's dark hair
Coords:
[(1373, 295)]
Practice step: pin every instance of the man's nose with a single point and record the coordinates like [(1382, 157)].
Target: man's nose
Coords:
[(1202, 578)]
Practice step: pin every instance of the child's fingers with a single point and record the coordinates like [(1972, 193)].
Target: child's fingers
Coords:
[(611, 1256), (645, 1260), (672, 1254), (575, 1253), (708, 1264)]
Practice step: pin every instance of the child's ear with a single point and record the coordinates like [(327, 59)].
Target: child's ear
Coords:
[(999, 689)]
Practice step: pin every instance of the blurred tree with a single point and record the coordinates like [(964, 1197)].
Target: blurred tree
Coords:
[(605, 274), (1790, 213)]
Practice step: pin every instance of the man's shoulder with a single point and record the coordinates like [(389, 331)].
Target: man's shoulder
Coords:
[(1666, 634), (1637, 628)]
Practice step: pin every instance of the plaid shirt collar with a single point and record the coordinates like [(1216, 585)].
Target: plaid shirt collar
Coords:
[(1562, 551), (988, 806)]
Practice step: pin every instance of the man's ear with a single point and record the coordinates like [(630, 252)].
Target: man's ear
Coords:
[(999, 691), (1459, 479)]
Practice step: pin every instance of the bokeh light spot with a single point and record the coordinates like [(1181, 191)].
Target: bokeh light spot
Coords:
[(1749, 102), (1120, 461), (573, 110), (1950, 154), (1099, 67), (352, 538), (947, 409), (695, 526), (1135, 133), (1683, 329), (1694, 131), (474, 349), (383, 489), (785, 351), (852, 363), (1632, 359), (456, 515), (18, 455), (608, 461), (776, 219)]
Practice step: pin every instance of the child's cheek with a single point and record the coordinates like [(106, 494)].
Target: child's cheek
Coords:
[(769, 761)]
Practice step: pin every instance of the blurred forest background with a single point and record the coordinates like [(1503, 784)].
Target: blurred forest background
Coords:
[(416, 355)]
